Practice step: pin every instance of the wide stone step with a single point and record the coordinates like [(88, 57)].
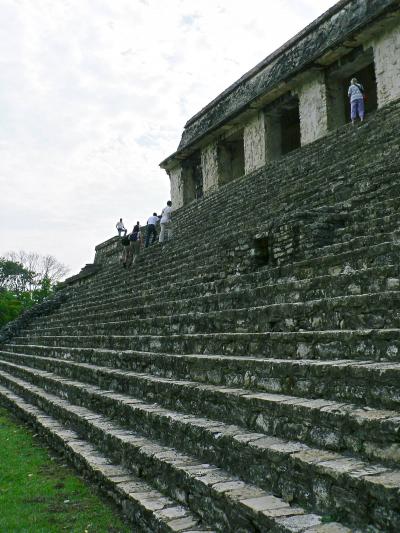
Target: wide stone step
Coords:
[(206, 262), (225, 501), (347, 263), (374, 344), (365, 383), (285, 182), (147, 508), (368, 433), (387, 223), (376, 218), (328, 186), (198, 263), (370, 311), (373, 280), (384, 205)]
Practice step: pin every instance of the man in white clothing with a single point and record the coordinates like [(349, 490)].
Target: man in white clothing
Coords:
[(120, 227), (166, 228), (151, 229)]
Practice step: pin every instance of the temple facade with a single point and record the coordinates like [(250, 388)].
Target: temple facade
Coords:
[(293, 97)]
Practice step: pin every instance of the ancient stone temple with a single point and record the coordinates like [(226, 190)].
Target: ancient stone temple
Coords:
[(295, 96), (246, 378)]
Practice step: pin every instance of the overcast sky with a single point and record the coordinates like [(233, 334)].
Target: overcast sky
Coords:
[(95, 93)]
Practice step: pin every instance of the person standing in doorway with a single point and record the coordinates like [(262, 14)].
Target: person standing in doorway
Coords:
[(120, 228), (356, 95), (151, 229), (166, 227)]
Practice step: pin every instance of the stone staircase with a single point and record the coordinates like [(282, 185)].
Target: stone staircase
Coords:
[(205, 392)]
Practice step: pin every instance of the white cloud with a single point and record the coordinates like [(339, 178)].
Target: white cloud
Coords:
[(94, 94)]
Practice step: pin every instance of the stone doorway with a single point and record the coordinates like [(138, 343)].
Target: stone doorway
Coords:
[(366, 76), (231, 157), (193, 178), (358, 64), (282, 127), (290, 127)]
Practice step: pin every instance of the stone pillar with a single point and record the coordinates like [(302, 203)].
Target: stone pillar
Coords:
[(313, 108), (177, 186), (386, 49), (209, 165), (254, 143)]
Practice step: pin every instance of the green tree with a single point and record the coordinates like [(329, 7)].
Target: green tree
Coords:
[(42, 267), (26, 279), (10, 306), (14, 277)]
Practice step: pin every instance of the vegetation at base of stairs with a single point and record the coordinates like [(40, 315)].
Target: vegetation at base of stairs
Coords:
[(26, 279), (39, 494), (48, 305)]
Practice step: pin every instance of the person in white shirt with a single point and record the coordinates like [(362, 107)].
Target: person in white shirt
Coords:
[(151, 229), (166, 225), (120, 228)]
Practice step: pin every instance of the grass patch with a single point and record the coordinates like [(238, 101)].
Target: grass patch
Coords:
[(40, 494)]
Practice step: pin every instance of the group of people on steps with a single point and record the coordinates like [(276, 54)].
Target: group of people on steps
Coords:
[(133, 242)]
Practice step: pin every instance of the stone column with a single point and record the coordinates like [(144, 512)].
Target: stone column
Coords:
[(209, 165), (254, 143), (313, 108), (177, 186), (386, 49)]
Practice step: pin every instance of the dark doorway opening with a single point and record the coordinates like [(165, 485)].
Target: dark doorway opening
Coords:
[(290, 127), (231, 157), (365, 76), (358, 64), (261, 251), (193, 178)]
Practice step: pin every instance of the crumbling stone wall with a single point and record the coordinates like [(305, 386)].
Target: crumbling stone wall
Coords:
[(107, 252)]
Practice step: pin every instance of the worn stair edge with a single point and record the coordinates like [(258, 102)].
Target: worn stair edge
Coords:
[(370, 434), (367, 311), (219, 495), (144, 506), (304, 378), (328, 265), (374, 344), (361, 282)]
